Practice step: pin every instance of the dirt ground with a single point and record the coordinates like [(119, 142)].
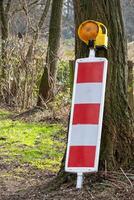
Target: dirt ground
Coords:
[(28, 183)]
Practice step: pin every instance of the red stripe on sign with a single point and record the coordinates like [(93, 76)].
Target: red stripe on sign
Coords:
[(86, 114), (90, 72), (81, 156)]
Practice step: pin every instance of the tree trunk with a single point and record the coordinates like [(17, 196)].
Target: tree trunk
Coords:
[(118, 124), (130, 84), (4, 19), (48, 79), (4, 33)]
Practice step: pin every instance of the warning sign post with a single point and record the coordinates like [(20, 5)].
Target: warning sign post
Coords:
[(86, 116)]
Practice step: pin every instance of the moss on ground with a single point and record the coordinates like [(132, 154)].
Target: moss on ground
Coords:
[(38, 144)]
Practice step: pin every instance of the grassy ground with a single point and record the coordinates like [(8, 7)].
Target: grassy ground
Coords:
[(37, 144)]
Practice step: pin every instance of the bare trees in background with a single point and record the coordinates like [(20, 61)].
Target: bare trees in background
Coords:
[(128, 13), (68, 19), (21, 63), (29, 54), (27, 18)]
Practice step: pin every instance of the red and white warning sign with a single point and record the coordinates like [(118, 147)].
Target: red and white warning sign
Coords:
[(86, 115)]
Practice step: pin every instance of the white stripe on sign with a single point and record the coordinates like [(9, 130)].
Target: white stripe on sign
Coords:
[(88, 93), (84, 135)]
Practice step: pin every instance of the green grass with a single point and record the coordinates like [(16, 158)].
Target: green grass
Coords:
[(40, 145)]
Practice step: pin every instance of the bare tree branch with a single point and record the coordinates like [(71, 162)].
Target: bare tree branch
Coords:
[(36, 2), (35, 36), (33, 3), (8, 6), (44, 14)]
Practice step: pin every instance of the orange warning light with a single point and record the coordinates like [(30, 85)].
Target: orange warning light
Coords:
[(88, 31), (93, 31)]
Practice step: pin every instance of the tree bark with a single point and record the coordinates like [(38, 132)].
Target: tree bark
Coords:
[(130, 84), (71, 75), (48, 79), (4, 18)]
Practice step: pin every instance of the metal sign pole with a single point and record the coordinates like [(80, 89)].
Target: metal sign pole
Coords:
[(79, 180), (92, 53), (80, 175)]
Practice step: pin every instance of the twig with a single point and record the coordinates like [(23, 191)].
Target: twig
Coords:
[(126, 177), (110, 184), (90, 193)]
